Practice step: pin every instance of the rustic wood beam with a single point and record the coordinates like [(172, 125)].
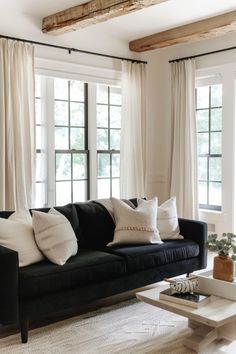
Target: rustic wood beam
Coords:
[(92, 12), (207, 28)]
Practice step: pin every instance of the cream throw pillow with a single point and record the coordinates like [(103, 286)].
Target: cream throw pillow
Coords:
[(167, 220), (135, 226), (107, 203), (54, 236), (17, 233)]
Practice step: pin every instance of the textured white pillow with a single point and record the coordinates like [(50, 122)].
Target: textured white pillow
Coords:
[(54, 236), (135, 226), (107, 203), (167, 220), (17, 233)]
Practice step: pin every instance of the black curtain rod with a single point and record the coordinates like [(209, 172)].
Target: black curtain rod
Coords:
[(72, 49), (202, 54)]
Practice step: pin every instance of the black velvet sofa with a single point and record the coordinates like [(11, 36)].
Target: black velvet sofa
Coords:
[(35, 291)]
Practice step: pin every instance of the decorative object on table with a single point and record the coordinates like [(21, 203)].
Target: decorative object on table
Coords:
[(183, 285), (223, 267), (194, 300)]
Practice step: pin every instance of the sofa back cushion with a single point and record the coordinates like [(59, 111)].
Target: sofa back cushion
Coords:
[(96, 227), (5, 214), (69, 212)]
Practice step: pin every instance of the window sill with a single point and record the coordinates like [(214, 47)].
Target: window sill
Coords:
[(211, 216), (210, 211)]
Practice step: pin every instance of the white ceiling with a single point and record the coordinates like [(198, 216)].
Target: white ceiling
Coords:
[(22, 18)]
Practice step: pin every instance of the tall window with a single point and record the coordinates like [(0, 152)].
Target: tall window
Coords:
[(209, 130), (108, 141), (40, 188), (62, 136), (71, 142)]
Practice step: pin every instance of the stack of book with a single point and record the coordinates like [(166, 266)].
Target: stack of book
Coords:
[(194, 300)]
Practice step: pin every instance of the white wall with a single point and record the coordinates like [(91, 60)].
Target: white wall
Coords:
[(23, 19), (159, 106)]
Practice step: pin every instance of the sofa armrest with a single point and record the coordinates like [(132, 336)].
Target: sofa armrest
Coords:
[(196, 231), (8, 286)]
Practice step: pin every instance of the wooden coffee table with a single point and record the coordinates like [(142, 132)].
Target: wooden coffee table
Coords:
[(215, 320)]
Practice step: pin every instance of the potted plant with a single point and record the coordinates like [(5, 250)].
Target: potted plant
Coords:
[(223, 268)]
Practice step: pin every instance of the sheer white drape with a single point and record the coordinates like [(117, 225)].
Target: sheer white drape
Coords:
[(133, 131), (17, 125), (184, 149)]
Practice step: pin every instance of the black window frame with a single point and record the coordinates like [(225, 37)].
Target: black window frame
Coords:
[(39, 151), (208, 155), (70, 151), (109, 151)]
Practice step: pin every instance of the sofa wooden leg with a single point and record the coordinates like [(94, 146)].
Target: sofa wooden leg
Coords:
[(24, 326)]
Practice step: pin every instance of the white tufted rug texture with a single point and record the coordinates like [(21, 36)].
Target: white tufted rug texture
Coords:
[(130, 327)]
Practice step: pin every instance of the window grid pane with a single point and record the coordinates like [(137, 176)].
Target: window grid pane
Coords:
[(41, 158), (209, 131), (71, 151), (108, 140)]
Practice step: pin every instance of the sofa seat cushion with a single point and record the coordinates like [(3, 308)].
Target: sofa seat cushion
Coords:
[(149, 256), (86, 267)]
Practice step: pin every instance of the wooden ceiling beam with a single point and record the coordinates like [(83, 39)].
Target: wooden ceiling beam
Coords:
[(207, 28), (92, 12)]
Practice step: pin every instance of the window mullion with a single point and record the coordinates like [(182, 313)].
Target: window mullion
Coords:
[(210, 183), (69, 143), (86, 100), (109, 139), (92, 140), (209, 147), (49, 108)]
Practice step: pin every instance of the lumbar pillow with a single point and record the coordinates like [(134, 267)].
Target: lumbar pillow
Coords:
[(167, 220), (17, 233), (135, 226), (54, 236)]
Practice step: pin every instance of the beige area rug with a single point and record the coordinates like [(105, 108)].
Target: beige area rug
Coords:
[(130, 327)]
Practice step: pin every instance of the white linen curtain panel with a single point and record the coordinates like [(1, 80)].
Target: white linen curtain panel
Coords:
[(184, 148), (17, 125), (133, 131)]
